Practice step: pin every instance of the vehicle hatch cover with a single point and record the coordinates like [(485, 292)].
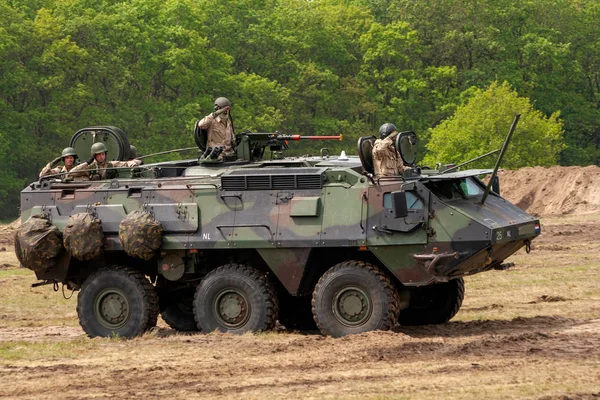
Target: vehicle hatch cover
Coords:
[(406, 144), (200, 136), (365, 152), (115, 139)]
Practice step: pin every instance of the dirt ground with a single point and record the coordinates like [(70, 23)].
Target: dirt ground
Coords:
[(532, 331)]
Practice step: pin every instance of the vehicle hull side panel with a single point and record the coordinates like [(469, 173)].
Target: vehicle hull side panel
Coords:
[(344, 221), (287, 264)]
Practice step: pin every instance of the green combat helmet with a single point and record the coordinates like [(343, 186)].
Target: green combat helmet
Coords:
[(98, 148), (222, 102), (133, 153), (68, 151), (386, 129)]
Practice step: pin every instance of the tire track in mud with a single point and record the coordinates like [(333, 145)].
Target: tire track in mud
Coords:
[(221, 365), (553, 337)]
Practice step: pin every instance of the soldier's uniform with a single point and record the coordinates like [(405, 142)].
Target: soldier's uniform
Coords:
[(48, 170), (386, 160), (96, 171), (220, 132)]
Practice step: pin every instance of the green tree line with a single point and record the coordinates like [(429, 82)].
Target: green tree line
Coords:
[(152, 67)]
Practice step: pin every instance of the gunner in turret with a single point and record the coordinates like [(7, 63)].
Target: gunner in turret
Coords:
[(68, 157), (386, 159), (219, 126), (97, 167)]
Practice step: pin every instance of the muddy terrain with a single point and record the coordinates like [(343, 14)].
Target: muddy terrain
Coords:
[(529, 332)]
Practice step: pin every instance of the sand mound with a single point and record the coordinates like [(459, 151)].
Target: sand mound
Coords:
[(7, 232), (554, 190)]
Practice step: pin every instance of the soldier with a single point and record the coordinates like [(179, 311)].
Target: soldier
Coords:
[(96, 167), (67, 156), (386, 159), (220, 127), (133, 154)]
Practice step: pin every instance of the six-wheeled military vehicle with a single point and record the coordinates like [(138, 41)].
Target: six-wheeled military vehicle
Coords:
[(236, 243)]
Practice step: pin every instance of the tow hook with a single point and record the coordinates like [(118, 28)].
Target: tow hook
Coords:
[(431, 261)]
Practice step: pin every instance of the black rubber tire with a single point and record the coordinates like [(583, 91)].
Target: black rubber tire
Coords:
[(123, 284), (433, 304), (349, 279), (153, 309), (177, 309), (236, 284), (295, 313)]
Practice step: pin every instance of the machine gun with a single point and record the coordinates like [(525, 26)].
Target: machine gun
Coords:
[(251, 146)]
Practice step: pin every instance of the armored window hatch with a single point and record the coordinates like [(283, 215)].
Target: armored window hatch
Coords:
[(273, 179)]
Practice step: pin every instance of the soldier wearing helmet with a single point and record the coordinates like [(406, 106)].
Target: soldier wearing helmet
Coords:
[(220, 127), (386, 159), (133, 153), (96, 167), (68, 157)]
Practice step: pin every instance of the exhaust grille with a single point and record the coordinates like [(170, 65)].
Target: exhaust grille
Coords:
[(273, 179)]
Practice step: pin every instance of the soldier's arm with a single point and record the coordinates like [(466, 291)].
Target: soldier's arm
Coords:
[(376, 152), (206, 121), (130, 164), (79, 170), (51, 168), (48, 170), (80, 167)]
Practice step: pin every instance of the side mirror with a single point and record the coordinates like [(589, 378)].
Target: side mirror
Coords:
[(496, 184), (399, 206)]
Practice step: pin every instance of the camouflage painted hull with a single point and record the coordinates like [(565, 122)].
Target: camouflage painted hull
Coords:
[(294, 218)]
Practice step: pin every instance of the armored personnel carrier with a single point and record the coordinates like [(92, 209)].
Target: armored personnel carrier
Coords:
[(236, 244)]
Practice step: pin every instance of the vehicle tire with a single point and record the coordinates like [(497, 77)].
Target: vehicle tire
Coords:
[(433, 304), (354, 297), (295, 313), (177, 309), (117, 301), (235, 298), (153, 309)]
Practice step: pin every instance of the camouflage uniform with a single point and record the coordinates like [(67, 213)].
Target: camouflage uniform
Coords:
[(48, 170), (386, 160), (96, 171), (220, 132)]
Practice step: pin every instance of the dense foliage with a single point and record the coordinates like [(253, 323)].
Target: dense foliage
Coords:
[(152, 67), (482, 123)]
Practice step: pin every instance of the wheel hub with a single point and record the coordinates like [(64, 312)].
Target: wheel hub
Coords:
[(112, 308), (232, 308), (352, 306)]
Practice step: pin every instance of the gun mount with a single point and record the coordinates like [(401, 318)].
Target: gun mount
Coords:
[(250, 146)]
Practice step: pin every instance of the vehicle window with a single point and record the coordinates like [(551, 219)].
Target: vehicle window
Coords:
[(455, 188), (412, 201), (470, 188)]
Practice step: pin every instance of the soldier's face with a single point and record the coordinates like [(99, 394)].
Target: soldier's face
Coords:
[(100, 157), (69, 160)]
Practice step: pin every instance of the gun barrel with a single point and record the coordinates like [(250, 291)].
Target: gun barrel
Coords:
[(332, 137)]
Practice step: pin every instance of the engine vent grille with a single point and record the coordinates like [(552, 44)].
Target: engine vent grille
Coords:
[(273, 179)]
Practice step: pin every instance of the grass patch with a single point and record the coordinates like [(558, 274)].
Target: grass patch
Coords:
[(25, 350), (24, 306), (13, 272)]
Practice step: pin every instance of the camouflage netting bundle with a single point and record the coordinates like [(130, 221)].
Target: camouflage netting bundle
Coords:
[(84, 237), (37, 243), (140, 234)]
